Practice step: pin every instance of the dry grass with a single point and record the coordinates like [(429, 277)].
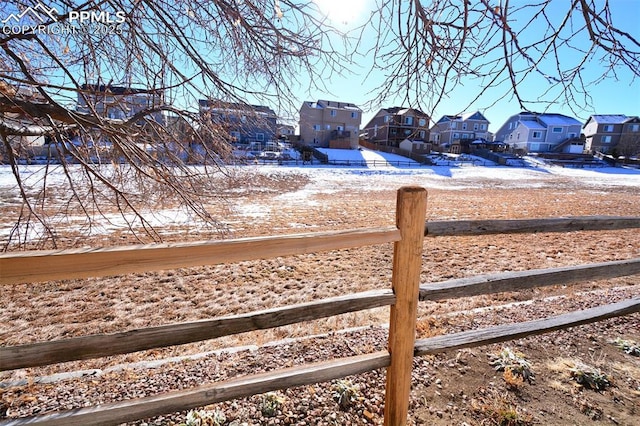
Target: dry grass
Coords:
[(56, 310)]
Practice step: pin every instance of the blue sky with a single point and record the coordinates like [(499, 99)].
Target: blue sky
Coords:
[(619, 94), (615, 95)]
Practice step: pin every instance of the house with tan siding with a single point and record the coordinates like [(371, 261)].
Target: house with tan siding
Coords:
[(330, 124)]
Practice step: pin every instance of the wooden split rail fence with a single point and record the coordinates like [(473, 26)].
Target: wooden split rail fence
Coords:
[(403, 298)]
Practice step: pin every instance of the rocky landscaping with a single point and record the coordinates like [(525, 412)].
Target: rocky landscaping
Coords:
[(585, 375)]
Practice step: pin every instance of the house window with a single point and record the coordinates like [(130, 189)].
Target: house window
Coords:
[(340, 128), (537, 135), (423, 122), (375, 131), (475, 126), (635, 127), (354, 115), (328, 126), (393, 131), (464, 126), (407, 131), (456, 135), (421, 133), (557, 130), (334, 113), (317, 127), (608, 128), (483, 127), (386, 118), (454, 125), (260, 136), (408, 121), (518, 136), (606, 139)]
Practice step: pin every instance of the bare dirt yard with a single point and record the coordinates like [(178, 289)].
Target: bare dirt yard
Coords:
[(580, 376)]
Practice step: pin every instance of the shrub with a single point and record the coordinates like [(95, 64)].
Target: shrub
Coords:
[(271, 403), (628, 346), (513, 362), (346, 394), (590, 377), (204, 418)]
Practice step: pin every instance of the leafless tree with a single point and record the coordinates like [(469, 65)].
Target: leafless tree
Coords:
[(629, 146), (428, 49), (57, 77), (76, 83)]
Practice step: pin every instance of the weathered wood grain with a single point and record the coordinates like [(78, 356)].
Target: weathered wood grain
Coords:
[(119, 412), (530, 226), (411, 211), (502, 333), (86, 347), (35, 266), (522, 280)]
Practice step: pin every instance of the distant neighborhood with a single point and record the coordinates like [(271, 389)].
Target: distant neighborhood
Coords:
[(255, 131)]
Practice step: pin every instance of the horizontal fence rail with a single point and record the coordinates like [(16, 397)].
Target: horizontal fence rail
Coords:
[(404, 295), (529, 226), (515, 281), (503, 333), (119, 412), (95, 346), (84, 263)]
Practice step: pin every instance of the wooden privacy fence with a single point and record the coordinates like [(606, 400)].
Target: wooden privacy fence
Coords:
[(403, 298)]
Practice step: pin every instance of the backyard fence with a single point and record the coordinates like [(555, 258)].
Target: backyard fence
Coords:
[(403, 298)]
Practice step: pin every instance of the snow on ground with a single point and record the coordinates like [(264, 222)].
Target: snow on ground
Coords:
[(465, 175), (328, 179)]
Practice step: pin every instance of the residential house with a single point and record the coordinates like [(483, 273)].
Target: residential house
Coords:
[(286, 132), (603, 133), (535, 132), (419, 147), (121, 102), (392, 126), (330, 124), (448, 132), (24, 132), (252, 126)]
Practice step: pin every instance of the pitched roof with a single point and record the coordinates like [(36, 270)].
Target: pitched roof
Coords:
[(219, 105), (476, 115), (404, 110), (558, 120), (609, 118), (116, 90), (532, 125), (336, 104)]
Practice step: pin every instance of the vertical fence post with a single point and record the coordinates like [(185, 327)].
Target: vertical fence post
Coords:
[(411, 209)]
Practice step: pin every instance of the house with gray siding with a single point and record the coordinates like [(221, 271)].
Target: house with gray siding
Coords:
[(535, 132), (246, 125), (604, 132), (451, 130)]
